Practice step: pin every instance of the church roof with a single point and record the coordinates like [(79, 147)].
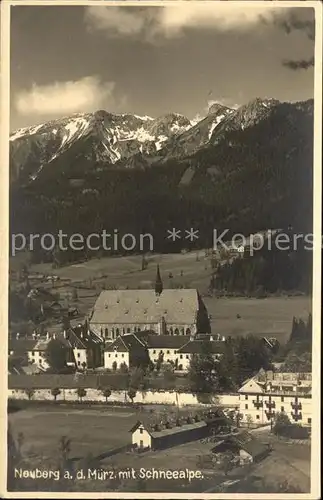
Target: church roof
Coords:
[(177, 306)]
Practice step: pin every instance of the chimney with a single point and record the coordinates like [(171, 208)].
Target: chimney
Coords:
[(64, 334), (47, 335), (17, 335)]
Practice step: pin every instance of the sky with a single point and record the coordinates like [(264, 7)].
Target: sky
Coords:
[(155, 60)]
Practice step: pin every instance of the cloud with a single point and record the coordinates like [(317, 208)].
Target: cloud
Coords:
[(170, 21), (300, 64), (60, 98), (122, 20), (291, 24)]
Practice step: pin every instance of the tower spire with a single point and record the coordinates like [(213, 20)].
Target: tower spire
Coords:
[(158, 282)]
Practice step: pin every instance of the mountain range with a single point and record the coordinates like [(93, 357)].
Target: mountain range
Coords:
[(248, 168)]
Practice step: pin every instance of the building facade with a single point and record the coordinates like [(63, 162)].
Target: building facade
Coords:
[(173, 312), (164, 311), (270, 393), (163, 349), (128, 350)]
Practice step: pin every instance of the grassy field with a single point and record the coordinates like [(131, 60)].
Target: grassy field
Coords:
[(271, 316), (91, 430), (97, 431)]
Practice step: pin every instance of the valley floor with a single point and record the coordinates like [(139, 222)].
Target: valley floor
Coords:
[(270, 316), (98, 431)]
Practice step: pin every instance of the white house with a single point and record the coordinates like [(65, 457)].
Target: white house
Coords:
[(165, 347), (175, 350), (125, 350), (33, 349), (197, 347), (269, 393), (157, 436)]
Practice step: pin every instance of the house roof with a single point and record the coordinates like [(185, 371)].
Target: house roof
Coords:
[(144, 306), (249, 443), (125, 343), (271, 382), (200, 346), (149, 427), (22, 345), (167, 341)]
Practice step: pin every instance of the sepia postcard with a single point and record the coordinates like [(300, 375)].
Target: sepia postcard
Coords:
[(161, 249)]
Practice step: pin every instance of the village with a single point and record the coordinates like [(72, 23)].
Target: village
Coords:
[(147, 354)]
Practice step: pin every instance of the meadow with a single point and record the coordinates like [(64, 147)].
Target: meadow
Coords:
[(97, 431), (270, 316)]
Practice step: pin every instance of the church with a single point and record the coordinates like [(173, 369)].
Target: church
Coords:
[(163, 311)]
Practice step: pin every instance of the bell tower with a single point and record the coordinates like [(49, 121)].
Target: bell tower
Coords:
[(158, 282)]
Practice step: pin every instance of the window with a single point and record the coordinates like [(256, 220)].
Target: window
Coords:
[(79, 362), (282, 409), (246, 397), (187, 356), (141, 431), (246, 407), (181, 356), (33, 353), (282, 399), (109, 355), (106, 332), (154, 351), (128, 330), (78, 355), (309, 420), (257, 417), (167, 352), (116, 355), (122, 355)]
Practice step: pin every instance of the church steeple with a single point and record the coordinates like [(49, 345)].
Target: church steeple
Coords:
[(158, 282)]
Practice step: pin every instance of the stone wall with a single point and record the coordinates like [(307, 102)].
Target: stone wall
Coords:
[(147, 397)]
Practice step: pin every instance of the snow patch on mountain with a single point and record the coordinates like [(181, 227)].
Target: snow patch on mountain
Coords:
[(216, 122), (21, 132)]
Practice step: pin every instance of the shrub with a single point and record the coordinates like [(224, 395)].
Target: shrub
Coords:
[(106, 393), (55, 392), (81, 393)]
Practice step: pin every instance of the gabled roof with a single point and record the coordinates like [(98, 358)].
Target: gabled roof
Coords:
[(22, 345), (252, 385), (125, 343), (249, 443), (144, 306), (167, 341), (75, 341), (202, 346)]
